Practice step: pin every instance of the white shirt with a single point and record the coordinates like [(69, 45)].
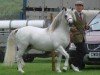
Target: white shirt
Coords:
[(81, 14)]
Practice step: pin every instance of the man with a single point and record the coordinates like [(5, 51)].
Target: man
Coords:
[(78, 31)]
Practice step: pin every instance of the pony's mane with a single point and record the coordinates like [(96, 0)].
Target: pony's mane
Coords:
[(55, 22)]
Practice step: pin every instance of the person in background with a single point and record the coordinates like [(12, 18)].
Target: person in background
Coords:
[(77, 36)]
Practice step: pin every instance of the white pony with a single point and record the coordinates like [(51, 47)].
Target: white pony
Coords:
[(55, 37)]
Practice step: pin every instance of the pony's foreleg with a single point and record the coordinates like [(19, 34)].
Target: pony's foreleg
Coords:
[(66, 64), (63, 52), (58, 62)]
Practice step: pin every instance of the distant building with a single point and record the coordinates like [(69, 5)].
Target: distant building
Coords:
[(89, 4), (41, 9)]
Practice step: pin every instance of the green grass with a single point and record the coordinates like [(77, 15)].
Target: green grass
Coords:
[(43, 67), (9, 9)]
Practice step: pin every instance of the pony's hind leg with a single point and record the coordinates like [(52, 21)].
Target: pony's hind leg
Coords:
[(61, 50), (19, 59)]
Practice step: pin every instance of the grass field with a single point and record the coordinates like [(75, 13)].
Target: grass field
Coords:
[(43, 67)]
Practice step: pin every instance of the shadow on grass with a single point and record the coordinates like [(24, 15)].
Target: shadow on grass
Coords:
[(42, 60), (92, 67)]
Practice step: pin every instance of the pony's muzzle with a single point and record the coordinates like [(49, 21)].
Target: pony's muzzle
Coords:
[(70, 22)]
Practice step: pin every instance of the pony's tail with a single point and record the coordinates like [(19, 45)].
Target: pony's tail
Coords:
[(9, 58)]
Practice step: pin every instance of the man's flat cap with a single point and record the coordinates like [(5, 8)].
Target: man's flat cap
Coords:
[(79, 3)]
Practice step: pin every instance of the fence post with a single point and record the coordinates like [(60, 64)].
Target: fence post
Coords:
[(53, 60), (53, 52)]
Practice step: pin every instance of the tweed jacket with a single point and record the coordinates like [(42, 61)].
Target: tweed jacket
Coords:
[(78, 36)]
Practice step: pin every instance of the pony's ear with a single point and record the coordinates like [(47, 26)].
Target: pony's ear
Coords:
[(64, 8)]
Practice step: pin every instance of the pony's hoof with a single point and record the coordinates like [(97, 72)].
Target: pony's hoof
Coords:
[(64, 69), (21, 71), (76, 69), (58, 71)]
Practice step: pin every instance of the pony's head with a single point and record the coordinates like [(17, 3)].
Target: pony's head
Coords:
[(64, 17), (67, 17)]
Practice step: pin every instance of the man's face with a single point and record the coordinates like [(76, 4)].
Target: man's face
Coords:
[(79, 7)]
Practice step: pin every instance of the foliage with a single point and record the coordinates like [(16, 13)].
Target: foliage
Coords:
[(10, 9)]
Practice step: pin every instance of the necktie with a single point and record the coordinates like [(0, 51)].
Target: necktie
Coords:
[(80, 16)]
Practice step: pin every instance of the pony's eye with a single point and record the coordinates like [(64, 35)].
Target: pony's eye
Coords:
[(65, 16)]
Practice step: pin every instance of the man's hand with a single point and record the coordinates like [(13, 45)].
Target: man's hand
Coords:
[(74, 29), (87, 27)]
